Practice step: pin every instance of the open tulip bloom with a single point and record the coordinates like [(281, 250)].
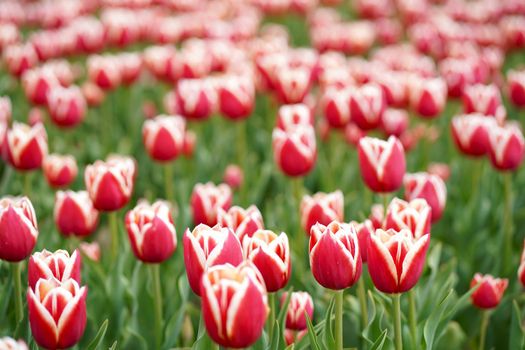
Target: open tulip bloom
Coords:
[(59, 265)]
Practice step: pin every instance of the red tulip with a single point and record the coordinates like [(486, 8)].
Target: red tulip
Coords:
[(382, 163), (74, 213), (458, 73), (429, 187), (233, 176), (37, 83), (205, 247), (353, 134), (334, 255), (130, 65), (159, 60), (236, 96), (516, 87), (484, 99), (470, 133), (335, 104), (57, 313), (363, 230), (104, 71), (289, 116), (413, 216), (59, 170), (367, 105), (163, 137), (521, 268), (59, 265), (8, 343), (490, 291), (18, 228), (506, 146), (270, 253), (243, 222), (428, 96), (513, 28), (19, 58), (396, 259), (321, 208), (67, 106), (394, 121), (234, 304), (89, 34), (206, 199), (295, 149), (292, 84), (110, 183), (377, 216), (300, 303), (196, 98), (26, 146)]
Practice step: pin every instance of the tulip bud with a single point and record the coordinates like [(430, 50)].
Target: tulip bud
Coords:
[(243, 222), (163, 137), (428, 96), (74, 213), (151, 231), (353, 134), (394, 121), (440, 169), (19, 58), (413, 216), (321, 208), (290, 116), (292, 84), (57, 313), (233, 176), (382, 163), (91, 250), (26, 146), (18, 228), (335, 104), (205, 247), (506, 146), (104, 71), (489, 291), (67, 106), (300, 303), (59, 265), (470, 133), (367, 104), (206, 199), (196, 98), (334, 255), (236, 97), (60, 170), (271, 255), (516, 87), (377, 216), (130, 66), (484, 99), (234, 304), (295, 149), (396, 259), (110, 183), (7, 343), (37, 83), (363, 230), (429, 187)]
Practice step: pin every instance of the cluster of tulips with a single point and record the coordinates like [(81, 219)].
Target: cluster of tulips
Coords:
[(218, 58)]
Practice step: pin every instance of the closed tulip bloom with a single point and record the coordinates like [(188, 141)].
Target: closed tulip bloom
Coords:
[(335, 259), (67, 106), (93, 94), (396, 259), (59, 170), (516, 87), (414, 216), (19, 58), (57, 313), (130, 65), (506, 146), (243, 222), (163, 137), (196, 98), (289, 116), (484, 99), (26, 146), (429, 187), (74, 213), (295, 149), (335, 104), (377, 216), (205, 247), (363, 230), (48, 265), (428, 96), (321, 208), (394, 121), (233, 176), (367, 104), (440, 169), (37, 83), (236, 96), (7, 343), (292, 84), (234, 304), (470, 133), (110, 183), (270, 253), (300, 302), (490, 291), (104, 71), (353, 134), (206, 199), (18, 228), (521, 268), (382, 163), (188, 147)]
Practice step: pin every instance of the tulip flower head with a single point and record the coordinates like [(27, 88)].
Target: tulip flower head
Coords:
[(363, 230), (516, 87), (18, 228), (506, 146), (489, 291), (67, 106), (74, 213), (163, 137), (470, 133), (295, 149), (59, 170), (413, 216), (243, 222), (429, 187), (321, 208), (233, 176), (289, 116), (300, 302), (8, 343), (26, 146), (206, 199), (59, 265), (521, 269)]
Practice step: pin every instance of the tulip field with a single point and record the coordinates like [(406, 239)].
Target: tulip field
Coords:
[(262, 174)]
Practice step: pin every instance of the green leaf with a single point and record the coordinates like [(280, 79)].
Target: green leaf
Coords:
[(114, 346), (378, 344), (328, 336), (95, 343), (290, 347), (174, 325), (517, 333), (314, 343), (277, 341), (203, 342)]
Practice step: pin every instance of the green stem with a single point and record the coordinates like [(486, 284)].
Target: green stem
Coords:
[(398, 336), (412, 317), (240, 126), (17, 271), (168, 181), (339, 319), (508, 225), (114, 233), (27, 183), (157, 300), (271, 318), (386, 203), (483, 329), (297, 187), (361, 294)]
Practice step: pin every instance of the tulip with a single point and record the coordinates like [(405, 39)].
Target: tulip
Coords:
[(335, 104), (367, 104), (377, 216), (506, 146), (26, 146), (5, 110), (489, 291), (295, 149), (470, 133), (188, 146), (58, 265), (270, 253), (394, 121), (56, 327), (413, 216), (104, 71), (18, 228), (130, 65), (19, 58), (292, 84), (91, 250), (196, 98), (440, 169), (151, 231), (243, 222), (110, 183), (334, 255), (300, 303), (321, 208), (163, 137), (396, 259), (206, 199), (363, 230), (516, 87), (74, 213), (382, 163), (233, 176), (288, 116), (92, 93), (484, 99), (7, 343), (37, 83), (236, 96), (67, 106), (59, 170), (521, 269), (205, 247), (353, 134), (428, 96), (429, 187), (234, 304)]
